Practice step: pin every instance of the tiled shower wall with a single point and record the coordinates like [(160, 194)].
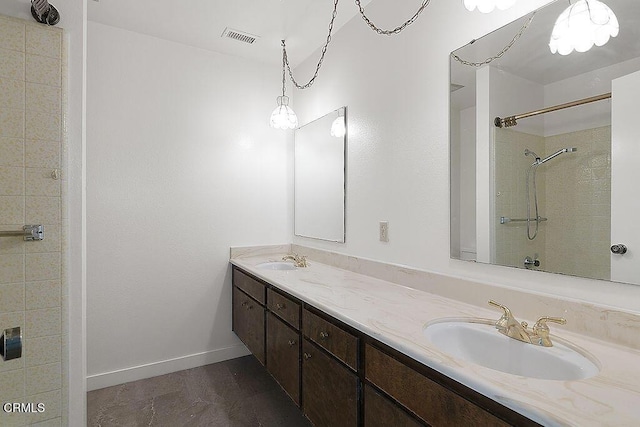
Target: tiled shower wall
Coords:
[(512, 244), (574, 193), (32, 285)]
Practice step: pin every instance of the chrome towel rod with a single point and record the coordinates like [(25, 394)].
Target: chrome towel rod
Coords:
[(29, 232), (505, 220)]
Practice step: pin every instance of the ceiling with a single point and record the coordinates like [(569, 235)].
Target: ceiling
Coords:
[(200, 23)]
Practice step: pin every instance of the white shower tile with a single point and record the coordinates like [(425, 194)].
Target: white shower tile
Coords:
[(43, 294), (43, 98), (41, 125), (43, 70), (39, 182), (12, 65), (42, 350), (11, 210), (44, 41), (12, 150), (12, 385), (52, 401), (42, 154), (44, 266), (12, 34), (12, 297), (41, 323), (12, 94), (43, 378), (12, 181), (12, 123), (42, 210), (12, 268)]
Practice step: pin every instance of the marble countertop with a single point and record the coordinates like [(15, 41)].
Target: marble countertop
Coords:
[(396, 315)]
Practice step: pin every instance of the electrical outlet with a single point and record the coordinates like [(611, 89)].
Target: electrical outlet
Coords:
[(384, 231)]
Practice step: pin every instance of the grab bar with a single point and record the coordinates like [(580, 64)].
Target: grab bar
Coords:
[(505, 220), (29, 232)]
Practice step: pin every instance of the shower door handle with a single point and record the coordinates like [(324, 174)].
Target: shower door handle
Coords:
[(619, 249)]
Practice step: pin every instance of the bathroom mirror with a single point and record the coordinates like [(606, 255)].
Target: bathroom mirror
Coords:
[(553, 188), (320, 150)]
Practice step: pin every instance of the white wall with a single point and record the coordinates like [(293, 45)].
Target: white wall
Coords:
[(73, 20), (181, 165), (397, 92)]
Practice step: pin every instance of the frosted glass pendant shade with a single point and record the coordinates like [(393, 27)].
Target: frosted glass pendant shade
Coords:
[(283, 116), (338, 128), (486, 6), (581, 25)]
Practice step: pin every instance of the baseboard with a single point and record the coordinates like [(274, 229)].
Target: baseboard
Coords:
[(108, 379)]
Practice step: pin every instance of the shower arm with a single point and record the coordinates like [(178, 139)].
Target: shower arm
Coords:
[(513, 120)]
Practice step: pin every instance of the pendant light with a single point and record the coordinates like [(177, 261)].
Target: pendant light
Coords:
[(283, 116), (486, 6), (338, 127), (581, 25)]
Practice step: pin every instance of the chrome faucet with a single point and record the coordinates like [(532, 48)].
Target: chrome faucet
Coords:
[(298, 260), (538, 335)]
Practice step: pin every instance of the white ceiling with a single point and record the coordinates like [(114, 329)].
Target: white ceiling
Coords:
[(200, 23)]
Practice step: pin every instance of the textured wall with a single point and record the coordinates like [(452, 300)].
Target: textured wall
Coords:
[(32, 278)]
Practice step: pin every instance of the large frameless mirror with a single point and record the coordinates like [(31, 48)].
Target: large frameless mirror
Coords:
[(545, 147), (320, 150)]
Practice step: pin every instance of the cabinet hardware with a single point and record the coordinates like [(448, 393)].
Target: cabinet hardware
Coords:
[(307, 356), (279, 306), (324, 335), (292, 343)]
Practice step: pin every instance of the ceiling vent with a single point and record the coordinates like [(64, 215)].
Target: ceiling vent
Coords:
[(240, 36)]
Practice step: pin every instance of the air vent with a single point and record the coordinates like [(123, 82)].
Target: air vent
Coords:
[(240, 36)]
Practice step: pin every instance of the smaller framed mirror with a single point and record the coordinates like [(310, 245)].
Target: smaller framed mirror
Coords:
[(320, 161)]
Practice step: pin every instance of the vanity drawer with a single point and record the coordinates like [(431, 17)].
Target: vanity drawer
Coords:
[(332, 338), (284, 308), (435, 404), (250, 285)]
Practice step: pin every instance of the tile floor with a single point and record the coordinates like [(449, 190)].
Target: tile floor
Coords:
[(235, 393)]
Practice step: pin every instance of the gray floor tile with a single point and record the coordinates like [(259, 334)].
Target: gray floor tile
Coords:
[(234, 393)]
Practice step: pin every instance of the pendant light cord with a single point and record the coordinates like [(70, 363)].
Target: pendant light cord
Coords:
[(398, 29), (499, 54), (285, 58)]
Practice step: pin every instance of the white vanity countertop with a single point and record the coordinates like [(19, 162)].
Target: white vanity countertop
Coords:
[(396, 315)]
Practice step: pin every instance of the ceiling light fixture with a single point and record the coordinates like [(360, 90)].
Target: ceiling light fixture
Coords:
[(486, 6), (581, 25), (283, 117)]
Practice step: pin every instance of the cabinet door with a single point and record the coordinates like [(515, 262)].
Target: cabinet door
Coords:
[(329, 390), (381, 412), (283, 356), (248, 323)]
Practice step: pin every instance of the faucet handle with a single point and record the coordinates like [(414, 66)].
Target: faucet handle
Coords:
[(542, 322), (541, 329), (507, 312)]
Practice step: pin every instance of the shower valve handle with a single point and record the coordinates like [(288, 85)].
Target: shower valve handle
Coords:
[(619, 249)]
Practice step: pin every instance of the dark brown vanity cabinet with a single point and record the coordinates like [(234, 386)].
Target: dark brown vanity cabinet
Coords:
[(283, 343), (329, 389), (248, 313), (248, 323), (341, 377)]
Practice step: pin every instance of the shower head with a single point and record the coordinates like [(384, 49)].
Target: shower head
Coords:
[(557, 153), (528, 152)]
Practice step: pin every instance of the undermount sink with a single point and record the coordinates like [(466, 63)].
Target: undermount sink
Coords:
[(276, 265), (479, 342)]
